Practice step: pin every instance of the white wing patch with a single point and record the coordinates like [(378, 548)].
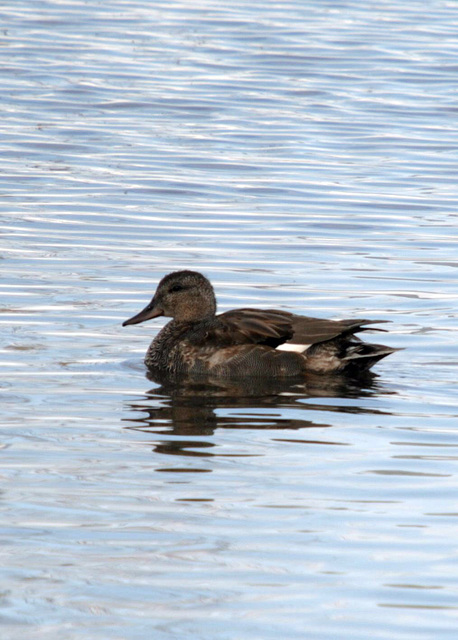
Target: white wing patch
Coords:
[(289, 346)]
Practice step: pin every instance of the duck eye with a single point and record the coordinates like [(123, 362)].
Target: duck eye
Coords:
[(176, 287)]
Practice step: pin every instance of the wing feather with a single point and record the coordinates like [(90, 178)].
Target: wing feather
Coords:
[(251, 326)]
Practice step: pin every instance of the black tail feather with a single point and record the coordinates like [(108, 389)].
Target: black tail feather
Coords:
[(361, 356)]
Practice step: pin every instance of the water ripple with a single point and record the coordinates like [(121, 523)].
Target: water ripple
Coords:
[(303, 156)]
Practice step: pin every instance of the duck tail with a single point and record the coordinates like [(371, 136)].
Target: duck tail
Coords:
[(361, 356), (343, 356)]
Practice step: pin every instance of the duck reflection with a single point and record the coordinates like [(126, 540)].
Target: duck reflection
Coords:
[(199, 408)]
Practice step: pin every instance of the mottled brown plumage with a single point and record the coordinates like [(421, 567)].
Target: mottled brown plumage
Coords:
[(247, 342)]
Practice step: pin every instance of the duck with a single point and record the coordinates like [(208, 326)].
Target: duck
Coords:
[(247, 342)]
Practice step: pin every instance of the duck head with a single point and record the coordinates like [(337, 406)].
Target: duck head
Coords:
[(186, 296)]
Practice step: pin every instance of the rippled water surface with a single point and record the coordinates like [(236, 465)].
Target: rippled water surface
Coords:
[(303, 156)]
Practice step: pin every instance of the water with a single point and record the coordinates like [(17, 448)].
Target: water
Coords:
[(303, 156)]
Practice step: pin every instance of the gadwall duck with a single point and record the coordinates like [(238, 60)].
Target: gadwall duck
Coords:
[(247, 342)]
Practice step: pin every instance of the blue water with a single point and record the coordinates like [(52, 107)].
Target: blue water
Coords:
[(303, 156)]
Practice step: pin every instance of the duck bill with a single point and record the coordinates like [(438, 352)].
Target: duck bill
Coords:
[(149, 312)]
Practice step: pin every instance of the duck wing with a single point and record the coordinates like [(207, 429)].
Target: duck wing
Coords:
[(248, 326), (273, 328), (308, 331)]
